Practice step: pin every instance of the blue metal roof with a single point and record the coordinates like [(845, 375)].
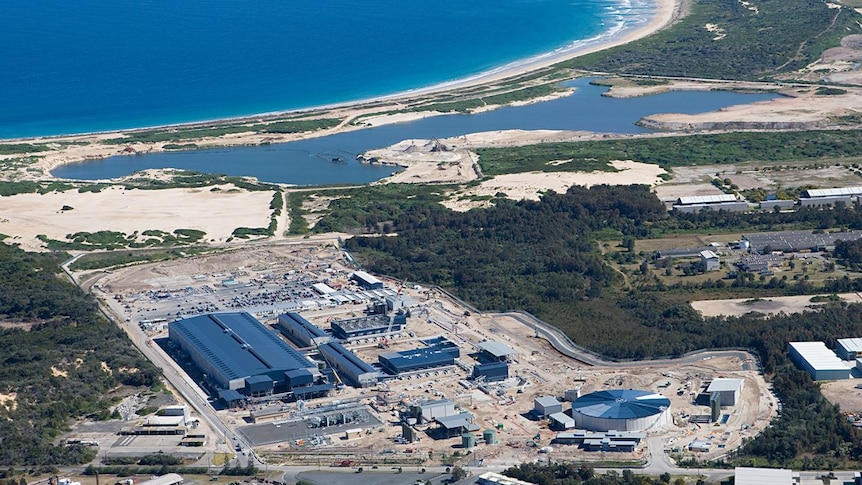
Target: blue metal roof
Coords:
[(621, 404), (309, 327), (239, 345), (348, 358), (420, 358)]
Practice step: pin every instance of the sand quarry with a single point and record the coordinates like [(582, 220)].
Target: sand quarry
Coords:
[(217, 213)]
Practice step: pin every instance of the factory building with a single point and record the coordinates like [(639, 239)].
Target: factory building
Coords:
[(493, 372), (300, 331), (725, 391), (362, 326), (456, 425), (609, 441), (849, 348), (322, 289), (546, 406), (419, 359), (237, 352), (727, 202), (765, 476), (366, 281), (621, 410), (829, 197), (349, 367), (560, 421), (779, 204), (709, 261), (491, 478), (818, 360), (427, 411), (792, 241), (495, 351)]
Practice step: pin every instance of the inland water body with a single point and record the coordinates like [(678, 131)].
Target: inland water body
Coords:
[(309, 162)]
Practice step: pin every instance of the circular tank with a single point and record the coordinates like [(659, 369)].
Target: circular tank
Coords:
[(468, 441), (621, 410), (490, 436)]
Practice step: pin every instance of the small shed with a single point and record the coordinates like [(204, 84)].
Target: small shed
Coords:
[(546, 406), (561, 422)]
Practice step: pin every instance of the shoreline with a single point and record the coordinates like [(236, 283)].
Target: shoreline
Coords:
[(662, 13)]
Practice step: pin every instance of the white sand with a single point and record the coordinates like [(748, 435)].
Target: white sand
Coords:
[(218, 213), (768, 306), (530, 185)]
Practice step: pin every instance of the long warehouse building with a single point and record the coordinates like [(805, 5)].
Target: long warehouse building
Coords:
[(300, 331), (349, 367), (237, 352), (818, 360)]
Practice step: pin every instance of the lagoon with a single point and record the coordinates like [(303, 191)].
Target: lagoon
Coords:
[(309, 162)]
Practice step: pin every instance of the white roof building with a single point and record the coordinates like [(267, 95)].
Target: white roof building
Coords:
[(765, 476), (849, 348), (706, 199), (818, 360), (725, 390), (839, 192)]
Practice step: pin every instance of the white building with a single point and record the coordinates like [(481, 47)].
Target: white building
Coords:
[(709, 261), (849, 348), (765, 476), (727, 391), (818, 360), (547, 405)]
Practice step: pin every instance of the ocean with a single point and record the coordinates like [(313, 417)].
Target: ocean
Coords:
[(88, 65)]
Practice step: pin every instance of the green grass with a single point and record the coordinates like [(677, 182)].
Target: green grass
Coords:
[(176, 135), (118, 258), (675, 151)]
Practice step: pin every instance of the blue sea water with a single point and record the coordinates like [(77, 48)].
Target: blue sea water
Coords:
[(90, 65)]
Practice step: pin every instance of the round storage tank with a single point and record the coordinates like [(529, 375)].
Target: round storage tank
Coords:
[(468, 441), (490, 436), (621, 410)]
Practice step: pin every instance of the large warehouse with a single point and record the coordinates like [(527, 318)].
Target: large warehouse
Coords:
[(621, 410), (349, 367), (236, 351), (849, 348), (418, 359), (818, 360), (727, 391)]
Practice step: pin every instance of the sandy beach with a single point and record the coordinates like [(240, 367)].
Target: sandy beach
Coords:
[(92, 148)]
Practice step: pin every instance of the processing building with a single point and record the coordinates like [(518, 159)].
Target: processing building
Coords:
[(725, 391), (495, 351), (621, 410), (419, 359), (366, 281), (237, 352), (493, 372), (300, 331), (348, 366), (363, 326), (825, 197), (726, 202), (816, 359), (849, 348)]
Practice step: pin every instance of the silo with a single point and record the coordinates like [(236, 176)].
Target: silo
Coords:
[(468, 440), (490, 436)]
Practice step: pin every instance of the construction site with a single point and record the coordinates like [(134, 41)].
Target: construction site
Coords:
[(386, 371)]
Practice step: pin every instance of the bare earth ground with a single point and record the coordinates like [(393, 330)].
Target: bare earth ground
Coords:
[(217, 213), (133, 293), (771, 305), (844, 393)]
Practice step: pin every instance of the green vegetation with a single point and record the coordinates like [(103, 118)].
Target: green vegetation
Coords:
[(175, 135), (466, 105), (542, 257), (16, 148), (674, 151), (180, 146), (298, 224), (762, 39), (573, 474), (110, 240), (827, 91), (373, 208), (181, 179), (54, 369), (833, 298)]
